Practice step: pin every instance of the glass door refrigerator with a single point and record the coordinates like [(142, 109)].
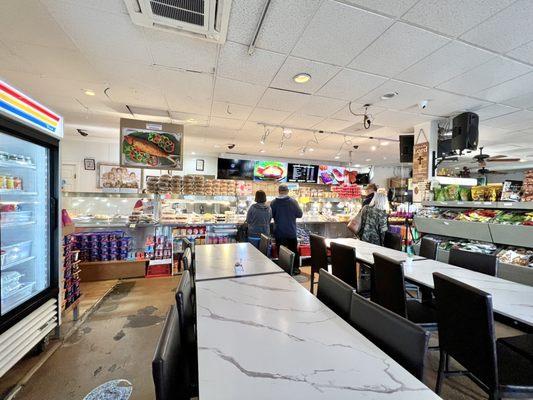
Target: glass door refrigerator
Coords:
[(29, 224)]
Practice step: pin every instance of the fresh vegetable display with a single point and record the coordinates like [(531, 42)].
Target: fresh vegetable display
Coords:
[(143, 148), (477, 215)]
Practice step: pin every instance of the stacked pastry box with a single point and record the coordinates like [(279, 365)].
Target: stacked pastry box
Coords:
[(71, 272), (527, 186)]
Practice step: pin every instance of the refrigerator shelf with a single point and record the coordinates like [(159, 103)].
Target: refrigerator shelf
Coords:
[(14, 164), (17, 296), (17, 224), (5, 192), (15, 263)]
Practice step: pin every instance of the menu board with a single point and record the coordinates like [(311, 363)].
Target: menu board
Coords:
[(302, 173), (228, 168), (330, 175), (270, 171)]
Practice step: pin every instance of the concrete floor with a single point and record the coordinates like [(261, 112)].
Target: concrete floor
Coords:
[(118, 339)]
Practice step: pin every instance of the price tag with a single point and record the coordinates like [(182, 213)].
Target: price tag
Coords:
[(133, 226), (460, 203), (508, 204)]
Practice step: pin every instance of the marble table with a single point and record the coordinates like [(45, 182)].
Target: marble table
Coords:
[(364, 250), (217, 261), (267, 337), (510, 299)]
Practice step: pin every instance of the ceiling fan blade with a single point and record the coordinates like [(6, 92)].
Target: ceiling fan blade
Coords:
[(498, 156), (504, 160)]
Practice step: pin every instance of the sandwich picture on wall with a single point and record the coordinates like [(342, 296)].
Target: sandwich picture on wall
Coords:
[(151, 149)]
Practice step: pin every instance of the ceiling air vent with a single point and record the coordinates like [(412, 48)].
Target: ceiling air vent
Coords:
[(204, 19)]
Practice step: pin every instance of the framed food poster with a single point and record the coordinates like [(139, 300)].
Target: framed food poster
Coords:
[(112, 177), (146, 144), (270, 171), (331, 175)]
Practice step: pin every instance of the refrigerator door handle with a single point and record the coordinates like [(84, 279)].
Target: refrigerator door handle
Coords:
[(53, 213)]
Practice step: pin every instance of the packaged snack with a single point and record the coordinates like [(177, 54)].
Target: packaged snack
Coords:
[(478, 193)]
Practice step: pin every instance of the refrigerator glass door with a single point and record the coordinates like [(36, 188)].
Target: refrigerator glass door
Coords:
[(24, 221)]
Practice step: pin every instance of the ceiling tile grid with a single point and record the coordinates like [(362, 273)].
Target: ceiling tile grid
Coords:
[(350, 85)]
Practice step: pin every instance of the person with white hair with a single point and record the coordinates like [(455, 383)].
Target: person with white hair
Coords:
[(374, 222)]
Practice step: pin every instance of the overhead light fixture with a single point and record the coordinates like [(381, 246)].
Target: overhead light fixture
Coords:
[(287, 131), (216, 146), (262, 151), (368, 160), (337, 156), (89, 92), (384, 143), (302, 77), (522, 160), (388, 96), (311, 149), (193, 153), (373, 148), (357, 165)]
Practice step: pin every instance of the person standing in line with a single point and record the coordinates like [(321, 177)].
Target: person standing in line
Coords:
[(258, 218), (371, 189), (285, 211), (374, 220)]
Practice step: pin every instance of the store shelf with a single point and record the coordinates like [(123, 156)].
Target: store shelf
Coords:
[(5, 192), (18, 262), (16, 224), (515, 273), (481, 204), (109, 195), (88, 263), (514, 235), (14, 164), (113, 225), (460, 229)]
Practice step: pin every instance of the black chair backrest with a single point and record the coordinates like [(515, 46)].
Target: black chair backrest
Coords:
[(466, 327), (401, 339), (169, 369), (319, 253), (334, 293), (388, 285), (478, 262), (286, 259), (393, 241), (264, 244), (343, 263), (185, 307), (187, 258), (428, 248)]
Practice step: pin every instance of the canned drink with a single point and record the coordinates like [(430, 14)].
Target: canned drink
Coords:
[(10, 183), (17, 183)]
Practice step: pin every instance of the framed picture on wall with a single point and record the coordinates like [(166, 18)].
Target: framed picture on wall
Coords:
[(89, 164), (113, 177), (200, 165)]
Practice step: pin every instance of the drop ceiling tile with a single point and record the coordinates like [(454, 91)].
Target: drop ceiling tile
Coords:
[(188, 118), (349, 85), (179, 51), (11, 61), (449, 61), (446, 104), (346, 115), (237, 92), (506, 30), (492, 73), (331, 124), (395, 8), (408, 95), (453, 17), (228, 110), (302, 121), (523, 101), (320, 74), (259, 68), (101, 5), (130, 74), (322, 106), (282, 26), (523, 53), (515, 121), (226, 123), (492, 111), (399, 47), (105, 35), (400, 120), (518, 87), (333, 37), (269, 116), (283, 100)]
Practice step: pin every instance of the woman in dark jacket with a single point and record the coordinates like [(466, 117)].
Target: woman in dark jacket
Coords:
[(258, 217)]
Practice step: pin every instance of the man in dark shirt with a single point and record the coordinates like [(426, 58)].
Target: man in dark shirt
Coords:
[(370, 190), (285, 210)]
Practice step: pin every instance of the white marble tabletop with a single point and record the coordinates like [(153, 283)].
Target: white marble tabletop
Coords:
[(511, 299), (364, 250), (267, 337), (217, 261)]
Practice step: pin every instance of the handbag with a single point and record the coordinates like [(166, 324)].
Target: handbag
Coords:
[(356, 223)]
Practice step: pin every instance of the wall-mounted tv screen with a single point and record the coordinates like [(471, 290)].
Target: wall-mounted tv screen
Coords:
[(302, 173), (270, 171), (329, 175), (235, 169)]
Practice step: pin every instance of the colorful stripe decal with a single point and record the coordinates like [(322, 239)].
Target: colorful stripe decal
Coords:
[(22, 107)]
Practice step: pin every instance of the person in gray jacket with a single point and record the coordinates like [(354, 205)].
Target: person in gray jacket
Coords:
[(258, 218)]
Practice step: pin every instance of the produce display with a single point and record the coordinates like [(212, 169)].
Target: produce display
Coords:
[(468, 245), (480, 215), (516, 256)]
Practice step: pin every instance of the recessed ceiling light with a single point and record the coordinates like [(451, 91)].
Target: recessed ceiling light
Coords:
[(89, 92), (287, 131), (368, 160), (310, 149), (262, 151), (388, 96), (302, 77), (384, 143), (522, 160), (373, 148), (384, 158), (337, 157), (357, 165), (216, 146), (191, 120), (193, 153)]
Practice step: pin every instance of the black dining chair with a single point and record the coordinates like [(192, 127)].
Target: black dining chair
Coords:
[(319, 256), (428, 248), (466, 333), (388, 290), (264, 244), (187, 319), (334, 293), (402, 340), (393, 241), (343, 263), (286, 259), (169, 369), (478, 262)]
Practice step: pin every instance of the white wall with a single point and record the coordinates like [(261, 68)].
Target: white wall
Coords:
[(382, 174), (74, 151)]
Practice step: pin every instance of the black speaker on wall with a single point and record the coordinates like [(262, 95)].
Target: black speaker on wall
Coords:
[(465, 131), (406, 148)]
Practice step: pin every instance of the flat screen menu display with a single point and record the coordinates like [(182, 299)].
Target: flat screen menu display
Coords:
[(235, 169), (330, 175), (302, 173), (270, 171)]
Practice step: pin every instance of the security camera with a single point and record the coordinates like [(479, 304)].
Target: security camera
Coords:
[(82, 132), (231, 146), (423, 104), (355, 147)]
